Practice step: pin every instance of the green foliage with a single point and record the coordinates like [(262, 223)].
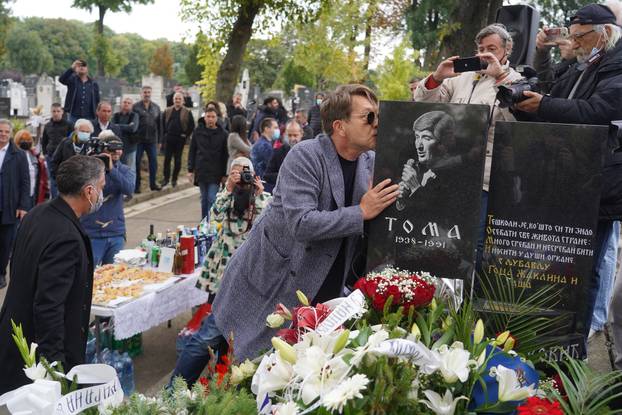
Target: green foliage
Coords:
[(200, 401), (27, 52), (5, 24), (587, 392), (557, 12), (264, 59), (65, 40), (520, 311), (137, 51), (291, 75), (428, 21), (112, 5), (210, 58), (192, 68), (394, 74)]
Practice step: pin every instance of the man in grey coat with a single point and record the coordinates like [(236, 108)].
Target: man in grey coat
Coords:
[(305, 238)]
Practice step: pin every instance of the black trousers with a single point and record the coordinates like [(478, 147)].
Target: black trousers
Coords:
[(7, 235), (173, 150)]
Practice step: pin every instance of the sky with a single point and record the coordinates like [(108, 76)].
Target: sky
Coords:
[(158, 20)]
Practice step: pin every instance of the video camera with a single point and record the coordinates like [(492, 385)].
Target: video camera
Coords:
[(97, 146), (509, 95)]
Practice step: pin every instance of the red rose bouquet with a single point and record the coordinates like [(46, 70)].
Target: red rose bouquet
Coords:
[(406, 289)]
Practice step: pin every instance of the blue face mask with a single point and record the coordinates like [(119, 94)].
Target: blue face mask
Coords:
[(83, 137), (277, 134)]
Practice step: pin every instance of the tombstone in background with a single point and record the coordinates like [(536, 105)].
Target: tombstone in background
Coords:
[(542, 214), (19, 99), (436, 153), (30, 84), (61, 91), (5, 107), (244, 87), (45, 93)]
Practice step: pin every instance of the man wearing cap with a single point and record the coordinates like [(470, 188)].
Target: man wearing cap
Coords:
[(82, 92), (589, 91), (106, 226)]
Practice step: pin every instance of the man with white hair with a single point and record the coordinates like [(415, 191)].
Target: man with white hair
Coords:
[(590, 92)]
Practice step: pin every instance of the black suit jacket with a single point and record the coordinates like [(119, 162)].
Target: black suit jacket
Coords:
[(50, 291), (274, 165), (15, 184), (111, 126)]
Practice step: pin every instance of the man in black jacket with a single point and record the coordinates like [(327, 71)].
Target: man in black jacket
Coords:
[(315, 120), (207, 159), (82, 92), (177, 127), (589, 92), (187, 98), (14, 193), (147, 133), (127, 121), (293, 135), (52, 274), (54, 132), (102, 122)]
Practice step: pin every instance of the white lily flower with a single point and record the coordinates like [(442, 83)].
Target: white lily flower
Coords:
[(288, 408), (347, 390), (273, 374), (372, 342), (445, 405), (325, 342), (510, 389), (454, 362), (35, 372), (319, 372)]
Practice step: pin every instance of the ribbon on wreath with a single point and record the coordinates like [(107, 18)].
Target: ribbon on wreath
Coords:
[(43, 397)]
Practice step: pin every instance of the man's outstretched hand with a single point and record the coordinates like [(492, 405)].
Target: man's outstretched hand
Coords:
[(378, 198)]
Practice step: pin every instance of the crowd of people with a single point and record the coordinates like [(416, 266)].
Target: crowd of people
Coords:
[(290, 215)]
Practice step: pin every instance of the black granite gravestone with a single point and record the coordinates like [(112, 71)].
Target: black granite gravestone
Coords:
[(5, 107), (436, 153), (543, 210)]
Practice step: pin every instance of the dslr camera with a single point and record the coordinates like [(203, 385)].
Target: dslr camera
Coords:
[(244, 193), (509, 95)]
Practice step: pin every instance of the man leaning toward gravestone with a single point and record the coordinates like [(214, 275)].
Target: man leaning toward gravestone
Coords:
[(305, 238), (590, 92)]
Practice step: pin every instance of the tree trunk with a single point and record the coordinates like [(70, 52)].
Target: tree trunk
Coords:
[(229, 70), (369, 20), (461, 41), (492, 10), (100, 32)]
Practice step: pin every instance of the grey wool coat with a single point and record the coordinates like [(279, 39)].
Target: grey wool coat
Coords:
[(293, 244)]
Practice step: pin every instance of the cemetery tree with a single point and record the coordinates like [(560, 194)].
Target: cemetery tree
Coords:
[(162, 62), (192, 67), (27, 53), (102, 7), (5, 24), (234, 21)]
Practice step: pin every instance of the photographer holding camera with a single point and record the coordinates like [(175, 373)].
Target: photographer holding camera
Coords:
[(494, 46), (237, 205), (589, 91), (106, 225)]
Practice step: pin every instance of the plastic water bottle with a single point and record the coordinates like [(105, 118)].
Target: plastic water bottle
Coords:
[(128, 374)]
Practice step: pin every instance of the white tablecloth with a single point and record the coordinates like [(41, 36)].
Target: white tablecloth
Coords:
[(154, 308)]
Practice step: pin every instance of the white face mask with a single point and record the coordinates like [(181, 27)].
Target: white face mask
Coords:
[(98, 204)]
